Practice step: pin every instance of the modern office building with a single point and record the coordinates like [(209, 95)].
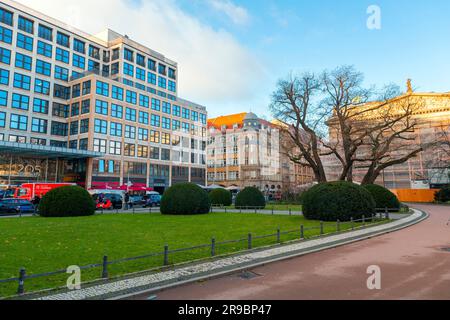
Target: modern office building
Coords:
[(101, 111), (244, 150)]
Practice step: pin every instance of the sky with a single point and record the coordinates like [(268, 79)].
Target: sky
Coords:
[(231, 53)]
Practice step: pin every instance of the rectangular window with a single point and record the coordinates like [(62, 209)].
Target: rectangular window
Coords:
[(5, 56), (23, 61), (140, 60), (172, 86), (130, 132), (40, 106), (128, 69), (144, 101), (166, 123), (75, 109), (100, 145), (45, 49), (39, 125), (45, 33), (83, 144), (59, 129), (84, 126), (151, 78), (86, 87), (101, 107), (115, 129), (130, 114), (101, 126), (115, 148), (142, 152), (166, 107), (176, 125), (140, 74), (162, 82), (143, 134), (4, 77), (143, 117), (18, 122), (74, 128), (176, 111), (5, 35), (25, 42), (85, 106), (131, 97), (154, 153), (102, 88), (129, 150), (151, 65), (155, 121), (6, 17), (78, 61), (79, 46), (3, 98), (62, 55), (117, 93), (43, 68), (22, 81), (165, 138), (26, 25), (94, 52), (76, 90), (155, 136), (156, 104), (116, 111), (61, 73), (128, 55), (63, 39), (186, 113), (172, 73), (2, 119), (162, 69), (42, 87), (20, 101), (60, 110)]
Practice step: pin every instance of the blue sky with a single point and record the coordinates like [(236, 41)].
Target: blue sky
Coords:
[(232, 52)]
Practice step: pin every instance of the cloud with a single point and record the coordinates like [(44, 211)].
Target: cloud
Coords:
[(237, 14), (214, 68)]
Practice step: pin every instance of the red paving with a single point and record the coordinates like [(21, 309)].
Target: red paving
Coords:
[(412, 263)]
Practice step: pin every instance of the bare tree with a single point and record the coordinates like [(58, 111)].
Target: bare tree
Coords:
[(292, 105)]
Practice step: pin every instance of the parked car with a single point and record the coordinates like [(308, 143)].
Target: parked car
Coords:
[(137, 201), (153, 200), (16, 206), (110, 201)]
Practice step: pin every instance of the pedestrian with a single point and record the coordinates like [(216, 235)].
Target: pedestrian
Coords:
[(127, 200)]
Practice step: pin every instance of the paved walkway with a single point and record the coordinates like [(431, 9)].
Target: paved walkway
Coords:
[(205, 270), (413, 262)]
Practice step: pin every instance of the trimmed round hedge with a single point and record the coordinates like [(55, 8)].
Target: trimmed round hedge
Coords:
[(337, 201), (70, 201), (185, 199), (443, 195), (250, 198), (383, 197), (221, 197)]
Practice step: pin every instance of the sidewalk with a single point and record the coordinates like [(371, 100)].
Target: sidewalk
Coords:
[(125, 287)]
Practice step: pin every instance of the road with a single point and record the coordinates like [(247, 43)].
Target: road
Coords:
[(412, 261)]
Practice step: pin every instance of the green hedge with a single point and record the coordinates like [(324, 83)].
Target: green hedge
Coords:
[(443, 195), (70, 201), (337, 201), (185, 199), (383, 197), (221, 197), (250, 198)]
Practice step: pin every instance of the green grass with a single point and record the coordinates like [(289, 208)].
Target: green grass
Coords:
[(49, 244)]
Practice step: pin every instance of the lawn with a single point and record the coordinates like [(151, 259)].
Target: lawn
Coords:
[(44, 244)]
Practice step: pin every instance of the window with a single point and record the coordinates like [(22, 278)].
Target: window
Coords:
[(116, 111), (154, 153), (128, 55), (5, 56), (115, 129), (128, 69), (21, 81), (155, 122), (162, 69), (61, 92), (43, 68), (140, 60), (165, 154), (131, 97), (2, 119), (38, 141), (151, 78), (76, 90), (101, 107), (6, 17), (26, 25), (142, 152), (60, 110), (115, 68), (172, 86), (44, 49), (154, 136), (203, 118), (117, 93), (73, 144), (5, 35), (129, 150), (101, 126), (61, 73), (103, 88), (186, 113), (194, 116), (4, 77), (83, 144), (166, 123), (165, 138), (185, 127), (78, 61), (45, 33), (130, 114), (151, 64), (3, 98), (79, 46), (62, 40), (20, 101), (130, 132), (24, 42), (23, 61), (115, 148), (74, 128), (42, 87), (39, 125), (162, 82), (18, 122), (144, 101), (143, 134), (176, 111), (140, 74), (59, 129), (62, 55), (94, 52), (84, 126), (176, 125), (172, 73), (143, 117), (85, 106), (100, 145), (166, 107), (156, 104), (86, 87), (40, 106), (75, 109)]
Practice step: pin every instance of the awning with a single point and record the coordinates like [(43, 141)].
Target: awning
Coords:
[(32, 150)]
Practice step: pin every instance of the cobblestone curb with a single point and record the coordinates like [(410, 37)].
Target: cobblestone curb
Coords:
[(123, 288)]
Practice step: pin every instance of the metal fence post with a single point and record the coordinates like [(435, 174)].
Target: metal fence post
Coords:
[(250, 244), (321, 228), (373, 218), (213, 247), (273, 211), (302, 232), (290, 212), (105, 268), (22, 276), (364, 221), (352, 224), (166, 255), (387, 215), (338, 226), (278, 235)]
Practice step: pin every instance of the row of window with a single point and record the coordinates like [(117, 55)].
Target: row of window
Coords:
[(149, 77), (129, 55)]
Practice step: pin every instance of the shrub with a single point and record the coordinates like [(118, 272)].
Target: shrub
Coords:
[(337, 201), (250, 198), (70, 201), (221, 197), (443, 195), (185, 199), (383, 197)]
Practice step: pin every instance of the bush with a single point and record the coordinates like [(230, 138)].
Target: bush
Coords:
[(70, 201), (443, 195), (185, 199), (337, 201), (383, 197), (221, 197), (250, 198)]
